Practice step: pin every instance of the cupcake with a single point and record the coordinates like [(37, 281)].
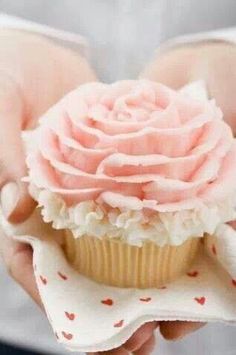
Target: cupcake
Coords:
[(136, 174)]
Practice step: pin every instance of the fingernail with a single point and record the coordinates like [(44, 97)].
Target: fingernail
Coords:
[(9, 198)]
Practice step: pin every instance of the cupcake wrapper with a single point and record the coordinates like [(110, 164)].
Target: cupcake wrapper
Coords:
[(119, 264)]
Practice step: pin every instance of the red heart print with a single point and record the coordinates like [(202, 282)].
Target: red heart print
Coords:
[(234, 282), (200, 300), (70, 316), (145, 299), (62, 276), (192, 273), (43, 280), (119, 324), (107, 302), (213, 248), (67, 336)]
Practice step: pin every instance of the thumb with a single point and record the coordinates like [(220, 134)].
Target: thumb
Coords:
[(181, 65), (172, 68), (15, 201)]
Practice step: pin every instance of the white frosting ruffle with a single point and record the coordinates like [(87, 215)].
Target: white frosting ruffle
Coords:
[(134, 227)]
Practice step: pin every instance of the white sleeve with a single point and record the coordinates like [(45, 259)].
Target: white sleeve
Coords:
[(66, 39), (222, 35)]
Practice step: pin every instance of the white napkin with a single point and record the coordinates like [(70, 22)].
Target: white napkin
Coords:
[(88, 317)]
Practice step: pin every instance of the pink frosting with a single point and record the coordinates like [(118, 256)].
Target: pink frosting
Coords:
[(134, 145)]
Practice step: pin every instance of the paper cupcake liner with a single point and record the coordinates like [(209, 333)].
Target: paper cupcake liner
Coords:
[(115, 263)]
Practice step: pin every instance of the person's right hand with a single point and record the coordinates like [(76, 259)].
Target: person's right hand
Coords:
[(34, 74)]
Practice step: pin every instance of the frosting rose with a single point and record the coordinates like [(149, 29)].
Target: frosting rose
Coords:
[(133, 146)]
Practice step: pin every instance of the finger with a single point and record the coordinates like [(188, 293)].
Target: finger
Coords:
[(178, 329), (147, 348), (185, 64), (171, 68), (220, 79), (140, 336), (15, 201), (18, 260), (232, 224)]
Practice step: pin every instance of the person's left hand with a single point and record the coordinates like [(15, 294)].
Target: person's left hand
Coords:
[(215, 63), (212, 62)]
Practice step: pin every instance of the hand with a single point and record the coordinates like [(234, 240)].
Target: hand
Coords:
[(18, 261), (143, 340), (215, 63), (34, 74)]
